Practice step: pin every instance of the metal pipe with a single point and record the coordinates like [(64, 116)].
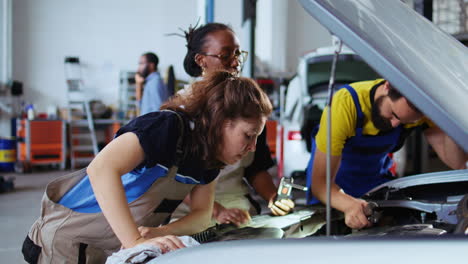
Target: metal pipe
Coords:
[(281, 130), (209, 11), (331, 83)]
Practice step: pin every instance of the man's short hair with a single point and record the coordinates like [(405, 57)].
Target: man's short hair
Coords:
[(151, 58), (394, 95)]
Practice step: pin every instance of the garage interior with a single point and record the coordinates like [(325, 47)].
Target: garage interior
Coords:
[(46, 45)]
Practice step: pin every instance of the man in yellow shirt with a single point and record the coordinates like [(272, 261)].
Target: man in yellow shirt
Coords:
[(369, 120)]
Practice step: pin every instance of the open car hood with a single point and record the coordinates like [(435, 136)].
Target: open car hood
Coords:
[(427, 65), (323, 250), (454, 176)]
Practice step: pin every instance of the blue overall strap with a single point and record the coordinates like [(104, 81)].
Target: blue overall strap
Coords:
[(360, 115)]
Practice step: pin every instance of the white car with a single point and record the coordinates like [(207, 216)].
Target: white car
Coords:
[(305, 98)]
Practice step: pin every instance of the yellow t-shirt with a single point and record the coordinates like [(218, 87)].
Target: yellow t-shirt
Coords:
[(344, 117)]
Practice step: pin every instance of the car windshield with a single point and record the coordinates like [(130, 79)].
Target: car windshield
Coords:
[(349, 69)]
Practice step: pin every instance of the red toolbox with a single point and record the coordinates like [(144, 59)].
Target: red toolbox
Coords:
[(40, 142)]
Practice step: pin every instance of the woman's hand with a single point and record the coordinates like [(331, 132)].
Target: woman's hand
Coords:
[(165, 243), (354, 215), (280, 207), (149, 232), (232, 215)]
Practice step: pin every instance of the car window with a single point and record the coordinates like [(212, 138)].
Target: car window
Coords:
[(348, 70)]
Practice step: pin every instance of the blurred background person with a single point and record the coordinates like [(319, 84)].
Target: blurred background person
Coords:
[(151, 91)]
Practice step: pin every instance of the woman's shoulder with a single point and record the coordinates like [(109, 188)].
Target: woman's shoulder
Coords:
[(157, 133), (158, 120)]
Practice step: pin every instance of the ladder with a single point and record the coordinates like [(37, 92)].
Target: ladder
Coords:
[(81, 132)]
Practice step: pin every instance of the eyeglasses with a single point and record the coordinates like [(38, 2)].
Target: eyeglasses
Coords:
[(240, 55)]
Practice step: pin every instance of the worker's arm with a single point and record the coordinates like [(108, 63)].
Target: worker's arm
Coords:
[(197, 220), (352, 208), (139, 82), (223, 215), (262, 182), (121, 155), (447, 150), (344, 121)]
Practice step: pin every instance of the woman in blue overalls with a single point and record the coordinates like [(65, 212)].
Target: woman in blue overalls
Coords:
[(145, 172)]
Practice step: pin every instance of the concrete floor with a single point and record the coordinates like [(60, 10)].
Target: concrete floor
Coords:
[(19, 209)]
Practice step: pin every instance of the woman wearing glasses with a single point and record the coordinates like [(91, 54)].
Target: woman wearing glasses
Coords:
[(213, 47)]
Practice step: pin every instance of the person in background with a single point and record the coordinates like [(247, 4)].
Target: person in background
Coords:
[(127, 193), (151, 91), (370, 119), (213, 47)]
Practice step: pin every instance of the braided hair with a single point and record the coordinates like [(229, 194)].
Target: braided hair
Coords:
[(196, 38)]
